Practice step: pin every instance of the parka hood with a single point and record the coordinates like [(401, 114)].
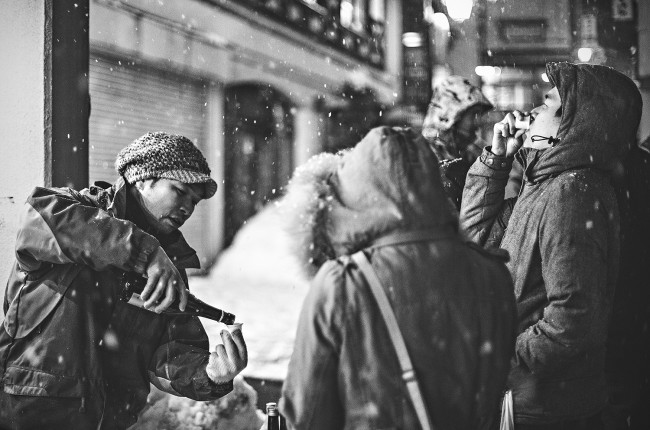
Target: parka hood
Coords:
[(338, 204), (601, 110)]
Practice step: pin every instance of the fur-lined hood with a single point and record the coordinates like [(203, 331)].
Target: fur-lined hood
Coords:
[(339, 203)]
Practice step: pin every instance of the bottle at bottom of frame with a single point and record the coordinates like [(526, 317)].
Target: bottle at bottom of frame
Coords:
[(274, 420)]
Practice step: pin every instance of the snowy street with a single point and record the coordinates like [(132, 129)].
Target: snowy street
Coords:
[(258, 281)]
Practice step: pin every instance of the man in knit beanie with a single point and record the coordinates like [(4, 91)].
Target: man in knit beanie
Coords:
[(162, 155), (72, 353)]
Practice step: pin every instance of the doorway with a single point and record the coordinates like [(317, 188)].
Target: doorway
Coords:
[(258, 151)]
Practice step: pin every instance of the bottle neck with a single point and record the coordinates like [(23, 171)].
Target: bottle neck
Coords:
[(202, 309), (133, 284)]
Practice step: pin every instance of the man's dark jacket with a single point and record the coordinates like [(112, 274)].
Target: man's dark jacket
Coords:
[(563, 238), (66, 334)]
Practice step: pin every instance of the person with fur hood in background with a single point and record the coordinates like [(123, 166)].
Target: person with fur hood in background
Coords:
[(450, 126), (562, 233), (453, 301), (452, 119)]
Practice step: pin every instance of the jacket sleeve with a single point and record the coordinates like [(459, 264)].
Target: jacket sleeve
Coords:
[(577, 250), (310, 396), (61, 226), (484, 213), (178, 364)]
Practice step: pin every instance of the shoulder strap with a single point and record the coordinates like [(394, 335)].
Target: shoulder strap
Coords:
[(402, 237), (408, 373)]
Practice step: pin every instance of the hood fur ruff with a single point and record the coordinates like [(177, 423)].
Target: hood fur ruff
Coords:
[(337, 204), (308, 198)]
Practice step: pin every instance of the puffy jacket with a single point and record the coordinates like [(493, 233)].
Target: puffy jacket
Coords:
[(562, 233), (67, 334), (453, 301)]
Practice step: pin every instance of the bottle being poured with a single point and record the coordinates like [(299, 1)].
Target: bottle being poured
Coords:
[(133, 284)]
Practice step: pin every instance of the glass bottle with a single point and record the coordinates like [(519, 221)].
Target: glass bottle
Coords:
[(273, 416), (133, 284)]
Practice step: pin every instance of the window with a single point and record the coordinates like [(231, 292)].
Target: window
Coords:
[(377, 10), (353, 15)]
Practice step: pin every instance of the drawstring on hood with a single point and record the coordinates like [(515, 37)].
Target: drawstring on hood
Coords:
[(601, 110), (551, 140), (338, 204)]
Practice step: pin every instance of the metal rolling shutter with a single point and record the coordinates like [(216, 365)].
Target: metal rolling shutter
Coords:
[(128, 101)]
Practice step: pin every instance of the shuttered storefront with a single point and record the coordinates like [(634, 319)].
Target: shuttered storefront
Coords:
[(128, 101)]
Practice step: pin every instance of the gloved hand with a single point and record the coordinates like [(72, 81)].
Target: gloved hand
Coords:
[(229, 358)]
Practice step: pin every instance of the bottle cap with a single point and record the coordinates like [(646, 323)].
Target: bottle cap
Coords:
[(272, 408)]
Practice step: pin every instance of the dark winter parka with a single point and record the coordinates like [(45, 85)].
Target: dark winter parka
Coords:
[(453, 302), (562, 234), (66, 334)]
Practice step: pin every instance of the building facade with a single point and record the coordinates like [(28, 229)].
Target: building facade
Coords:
[(253, 83)]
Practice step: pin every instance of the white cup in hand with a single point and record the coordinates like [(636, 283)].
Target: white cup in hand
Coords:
[(234, 326)]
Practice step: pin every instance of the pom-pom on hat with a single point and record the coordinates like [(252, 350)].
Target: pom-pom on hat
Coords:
[(164, 155)]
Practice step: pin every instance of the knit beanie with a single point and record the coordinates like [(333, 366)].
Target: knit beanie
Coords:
[(164, 155)]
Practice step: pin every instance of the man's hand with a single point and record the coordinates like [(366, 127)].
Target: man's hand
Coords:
[(228, 359), (507, 138), (163, 283)]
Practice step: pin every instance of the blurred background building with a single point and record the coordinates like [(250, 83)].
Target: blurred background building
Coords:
[(503, 45), (258, 85), (261, 85)]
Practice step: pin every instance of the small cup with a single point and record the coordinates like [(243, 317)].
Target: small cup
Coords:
[(523, 123), (235, 326)]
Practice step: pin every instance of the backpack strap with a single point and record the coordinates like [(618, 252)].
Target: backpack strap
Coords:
[(408, 373), (428, 235)]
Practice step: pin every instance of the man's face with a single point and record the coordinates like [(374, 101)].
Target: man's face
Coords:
[(545, 120), (168, 203), (469, 121)]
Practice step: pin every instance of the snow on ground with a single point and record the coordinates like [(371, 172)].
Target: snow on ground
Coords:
[(258, 280)]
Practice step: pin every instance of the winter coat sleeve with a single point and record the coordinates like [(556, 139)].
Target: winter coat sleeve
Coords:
[(178, 364), (310, 394), (61, 226), (577, 251), (484, 213)]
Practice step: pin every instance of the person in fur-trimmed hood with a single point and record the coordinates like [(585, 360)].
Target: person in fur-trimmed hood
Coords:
[(453, 301), (562, 233)]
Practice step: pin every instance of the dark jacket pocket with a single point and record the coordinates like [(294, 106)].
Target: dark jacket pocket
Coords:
[(36, 299), (24, 381)]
